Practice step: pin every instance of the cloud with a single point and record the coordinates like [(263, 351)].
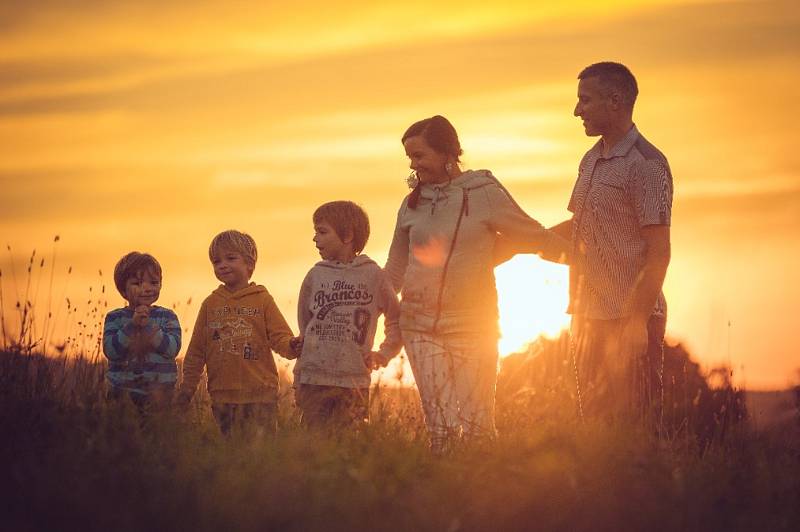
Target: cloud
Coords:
[(378, 73)]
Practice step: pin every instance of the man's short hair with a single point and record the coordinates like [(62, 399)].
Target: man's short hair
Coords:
[(232, 240), (346, 218), (614, 76), (134, 264)]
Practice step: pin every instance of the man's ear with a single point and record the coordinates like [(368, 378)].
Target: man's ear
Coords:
[(348, 237), (615, 100)]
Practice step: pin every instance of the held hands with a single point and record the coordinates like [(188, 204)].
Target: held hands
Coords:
[(296, 346), (373, 360)]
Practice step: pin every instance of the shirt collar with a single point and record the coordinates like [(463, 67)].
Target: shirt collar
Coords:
[(622, 147)]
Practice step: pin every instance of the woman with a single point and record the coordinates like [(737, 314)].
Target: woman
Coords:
[(442, 257)]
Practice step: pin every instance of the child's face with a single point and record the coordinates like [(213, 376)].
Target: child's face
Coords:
[(329, 245), (232, 269), (142, 289)]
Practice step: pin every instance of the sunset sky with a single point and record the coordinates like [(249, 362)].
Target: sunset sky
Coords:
[(154, 125)]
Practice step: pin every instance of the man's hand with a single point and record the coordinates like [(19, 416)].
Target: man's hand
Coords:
[(633, 343)]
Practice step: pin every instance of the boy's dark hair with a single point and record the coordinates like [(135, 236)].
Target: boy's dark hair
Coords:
[(134, 264), (614, 76), (346, 218)]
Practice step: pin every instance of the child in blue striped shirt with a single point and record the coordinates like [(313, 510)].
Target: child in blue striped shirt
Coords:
[(141, 340)]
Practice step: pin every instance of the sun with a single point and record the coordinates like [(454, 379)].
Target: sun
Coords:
[(532, 298)]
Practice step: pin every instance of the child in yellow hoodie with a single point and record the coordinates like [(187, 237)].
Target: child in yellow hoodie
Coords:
[(238, 326)]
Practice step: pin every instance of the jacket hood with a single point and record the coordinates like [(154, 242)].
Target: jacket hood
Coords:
[(469, 179), (250, 289), (358, 262)]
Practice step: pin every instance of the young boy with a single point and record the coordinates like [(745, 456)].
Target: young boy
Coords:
[(141, 340), (337, 310), (238, 326)]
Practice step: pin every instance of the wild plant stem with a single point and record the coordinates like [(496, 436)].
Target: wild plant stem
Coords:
[(2, 313), (47, 321)]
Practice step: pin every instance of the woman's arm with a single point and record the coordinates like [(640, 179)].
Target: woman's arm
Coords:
[(523, 232), (397, 262), (390, 307)]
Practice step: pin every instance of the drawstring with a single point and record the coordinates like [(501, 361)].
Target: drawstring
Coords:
[(439, 194), (461, 213)]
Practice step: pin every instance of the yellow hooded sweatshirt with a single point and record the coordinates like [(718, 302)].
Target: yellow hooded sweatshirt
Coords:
[(233, 338)]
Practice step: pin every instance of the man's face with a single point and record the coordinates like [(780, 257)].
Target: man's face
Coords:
[(594, 107)]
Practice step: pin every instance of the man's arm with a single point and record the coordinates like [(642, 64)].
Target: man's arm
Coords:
[(647, 287), (651, 278), (397, 262)]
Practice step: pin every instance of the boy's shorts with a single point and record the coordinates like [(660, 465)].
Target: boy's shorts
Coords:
[(157, 399), (322, 406), (252, 418)]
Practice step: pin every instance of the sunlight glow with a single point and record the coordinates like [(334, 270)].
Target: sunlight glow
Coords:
[(430, 254), (532, 298)]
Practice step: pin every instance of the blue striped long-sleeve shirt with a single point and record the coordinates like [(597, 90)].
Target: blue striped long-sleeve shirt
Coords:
[(159, 340)]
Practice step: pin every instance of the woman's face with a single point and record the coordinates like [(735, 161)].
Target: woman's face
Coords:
[(425, 161)]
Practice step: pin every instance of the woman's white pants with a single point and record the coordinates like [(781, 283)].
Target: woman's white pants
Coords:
[(456, 377)]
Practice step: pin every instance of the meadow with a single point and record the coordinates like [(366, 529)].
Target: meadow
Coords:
[(74, 460)]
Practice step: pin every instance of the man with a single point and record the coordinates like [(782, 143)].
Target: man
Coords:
[(621, 205)]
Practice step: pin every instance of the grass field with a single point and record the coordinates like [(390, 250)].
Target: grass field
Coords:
[(72, 460)]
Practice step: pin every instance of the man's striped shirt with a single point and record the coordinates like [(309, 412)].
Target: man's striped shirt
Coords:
[(614, 197)]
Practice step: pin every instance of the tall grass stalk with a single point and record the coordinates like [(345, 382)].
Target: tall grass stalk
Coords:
[(3, 316)]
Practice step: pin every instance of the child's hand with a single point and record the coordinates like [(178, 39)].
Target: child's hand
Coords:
[(373, 360), (182, 401), (140, 315), (296, 345)]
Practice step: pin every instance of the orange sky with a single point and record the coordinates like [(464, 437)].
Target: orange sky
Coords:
[(152, 127)]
